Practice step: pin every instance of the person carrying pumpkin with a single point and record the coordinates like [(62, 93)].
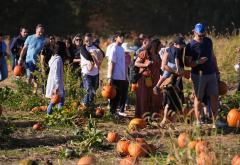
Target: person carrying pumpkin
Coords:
[(55, 81), (117, 74), (200, 57), (149, 63)]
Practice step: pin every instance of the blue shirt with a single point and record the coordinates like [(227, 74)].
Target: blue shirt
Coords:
[(35, 45), (196, 50), (175, 53), (3, 47)]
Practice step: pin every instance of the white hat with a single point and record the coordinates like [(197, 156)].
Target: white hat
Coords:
[(126, 47)]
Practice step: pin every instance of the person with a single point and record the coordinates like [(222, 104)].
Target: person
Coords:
[(90, 63), (69, 50), (111, 43), (149, 63), (3, 59), (32, 47), (17, 45), (174, 58), (237, 68), (145, 44), (45, 55), (200, 57), (116, 73), (127, 51), (55, 81), (77, 42)]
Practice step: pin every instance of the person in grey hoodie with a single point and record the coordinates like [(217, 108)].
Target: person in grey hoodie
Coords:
[(55, 82)]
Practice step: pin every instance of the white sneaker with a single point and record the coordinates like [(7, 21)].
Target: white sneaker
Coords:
[(122, 114)]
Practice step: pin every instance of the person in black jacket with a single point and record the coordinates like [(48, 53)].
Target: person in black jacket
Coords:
[(17, 45)]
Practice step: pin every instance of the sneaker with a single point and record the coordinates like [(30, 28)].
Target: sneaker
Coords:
[(122, 114), (198, 123)]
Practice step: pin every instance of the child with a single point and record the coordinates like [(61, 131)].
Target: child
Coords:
[(55, 82)]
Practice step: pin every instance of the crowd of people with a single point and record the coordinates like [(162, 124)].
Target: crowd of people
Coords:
[(157, 68)]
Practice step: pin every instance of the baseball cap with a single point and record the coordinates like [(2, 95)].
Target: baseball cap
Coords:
[(199, 28), (179, 40)]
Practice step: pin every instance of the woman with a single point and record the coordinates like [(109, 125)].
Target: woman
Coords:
[(149, 63)]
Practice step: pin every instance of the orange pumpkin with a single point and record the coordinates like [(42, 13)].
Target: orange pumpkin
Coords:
[(129, 161), (134, 87), (40, 108), (236, 160), (233, 118), (222, 88), (183, 140), (18, 69), (122, 147), (37, 126), (99, 112), (55, 99), (87, 160), (192, 144), (112, 137), (148, 82), (137, 149), (206, 158), (109, 92), (137, 123), (201, 146)]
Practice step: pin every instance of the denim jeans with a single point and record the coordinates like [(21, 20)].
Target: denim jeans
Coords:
[(3, 68), (30, 68), (51, 105), (90, 84)]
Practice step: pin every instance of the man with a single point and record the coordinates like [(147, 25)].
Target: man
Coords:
[(116, 73), (3, 59), (17, 45), (200, 57), (32, 47), (90, 69)]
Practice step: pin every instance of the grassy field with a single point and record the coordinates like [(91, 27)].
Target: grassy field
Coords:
[(83, 133)]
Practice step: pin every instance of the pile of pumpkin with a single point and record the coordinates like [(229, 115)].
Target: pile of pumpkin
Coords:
[(205, 154)]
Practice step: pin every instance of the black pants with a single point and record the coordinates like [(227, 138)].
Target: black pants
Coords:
[(120, 99)]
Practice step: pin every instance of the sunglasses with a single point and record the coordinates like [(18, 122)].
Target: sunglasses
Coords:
[(77, 39)]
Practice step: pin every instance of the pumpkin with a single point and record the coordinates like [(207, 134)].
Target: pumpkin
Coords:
[(87, 160), (137, 123), (183, 140), (170, 159), (222, 88), (208, 158), (129, 161), (27, 162), (233, 118), (112, 137), (18, 69), (99, 112), (134, 87), (40, 108), (55, 99), (137, 149), (236, 160), (109, 92), (192, 144), (122, 147), (201, 146), (37, 126), (140, 140), (148, 82)]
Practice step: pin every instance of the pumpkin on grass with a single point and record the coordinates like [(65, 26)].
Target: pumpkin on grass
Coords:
[(201, 146), (55, 99), (233, 118), (122, 147), (18, 70), (183, 140), (40, 108), (137, 123), (87, 160), (99, 112), (208, 158), (109, 92), (236, 160), (37, 127), (112, 137), (129, 161), (137, 149), (192, 145)]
